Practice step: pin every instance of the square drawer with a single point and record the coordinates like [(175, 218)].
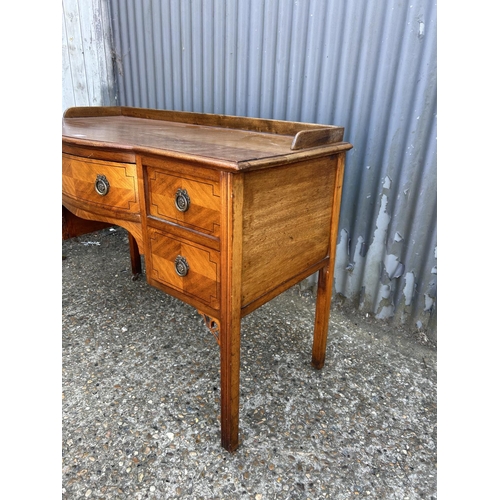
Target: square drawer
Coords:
[(184, 199), (191, 269), (117, 182)]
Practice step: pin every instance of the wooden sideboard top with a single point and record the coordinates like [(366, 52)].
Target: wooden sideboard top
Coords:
[(227, 142)]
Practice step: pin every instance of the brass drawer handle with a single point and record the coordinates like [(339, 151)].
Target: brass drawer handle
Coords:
[(182, 200), (181, 266), (102, 185)]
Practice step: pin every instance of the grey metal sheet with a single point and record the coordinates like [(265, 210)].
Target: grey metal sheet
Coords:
[(368, 66)]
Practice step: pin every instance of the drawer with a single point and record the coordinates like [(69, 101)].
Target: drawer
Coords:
[(190, 269), (100, 183), (184, 199)]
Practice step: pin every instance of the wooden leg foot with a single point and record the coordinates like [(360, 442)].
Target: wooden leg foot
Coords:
[(230, 390), (323, 300), (135, 257), (230, 385)]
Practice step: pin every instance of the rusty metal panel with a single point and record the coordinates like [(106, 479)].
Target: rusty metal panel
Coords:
[(87, 62), (368, 66)]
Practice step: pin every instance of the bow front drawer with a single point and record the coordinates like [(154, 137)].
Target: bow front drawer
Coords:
[(98, 185)]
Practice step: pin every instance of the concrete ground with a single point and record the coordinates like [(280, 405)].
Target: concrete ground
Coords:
[(140, 380)]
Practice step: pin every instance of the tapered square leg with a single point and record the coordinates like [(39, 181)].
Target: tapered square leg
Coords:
[(230, 383), (135, 256), (325, 276), (230, 321), (323, 300)]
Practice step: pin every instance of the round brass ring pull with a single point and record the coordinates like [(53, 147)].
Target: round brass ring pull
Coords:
[(182, 200), (102, 185), (181, 266)]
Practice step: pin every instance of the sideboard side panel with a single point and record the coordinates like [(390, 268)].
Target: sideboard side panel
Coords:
[(286, 223)]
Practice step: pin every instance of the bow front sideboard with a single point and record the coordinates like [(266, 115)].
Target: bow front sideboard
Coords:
[(227, 211)]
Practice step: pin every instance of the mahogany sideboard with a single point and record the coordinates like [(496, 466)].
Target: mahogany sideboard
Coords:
[(227, 211)]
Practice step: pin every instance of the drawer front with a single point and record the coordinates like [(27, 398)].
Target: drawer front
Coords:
[(191, 269), (186, 200), (104, 183)]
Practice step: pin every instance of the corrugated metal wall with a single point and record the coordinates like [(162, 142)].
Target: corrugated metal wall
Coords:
[(87, 62), (369, 66)]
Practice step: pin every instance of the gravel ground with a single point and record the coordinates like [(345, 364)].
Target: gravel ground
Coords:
[(140, 407)]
